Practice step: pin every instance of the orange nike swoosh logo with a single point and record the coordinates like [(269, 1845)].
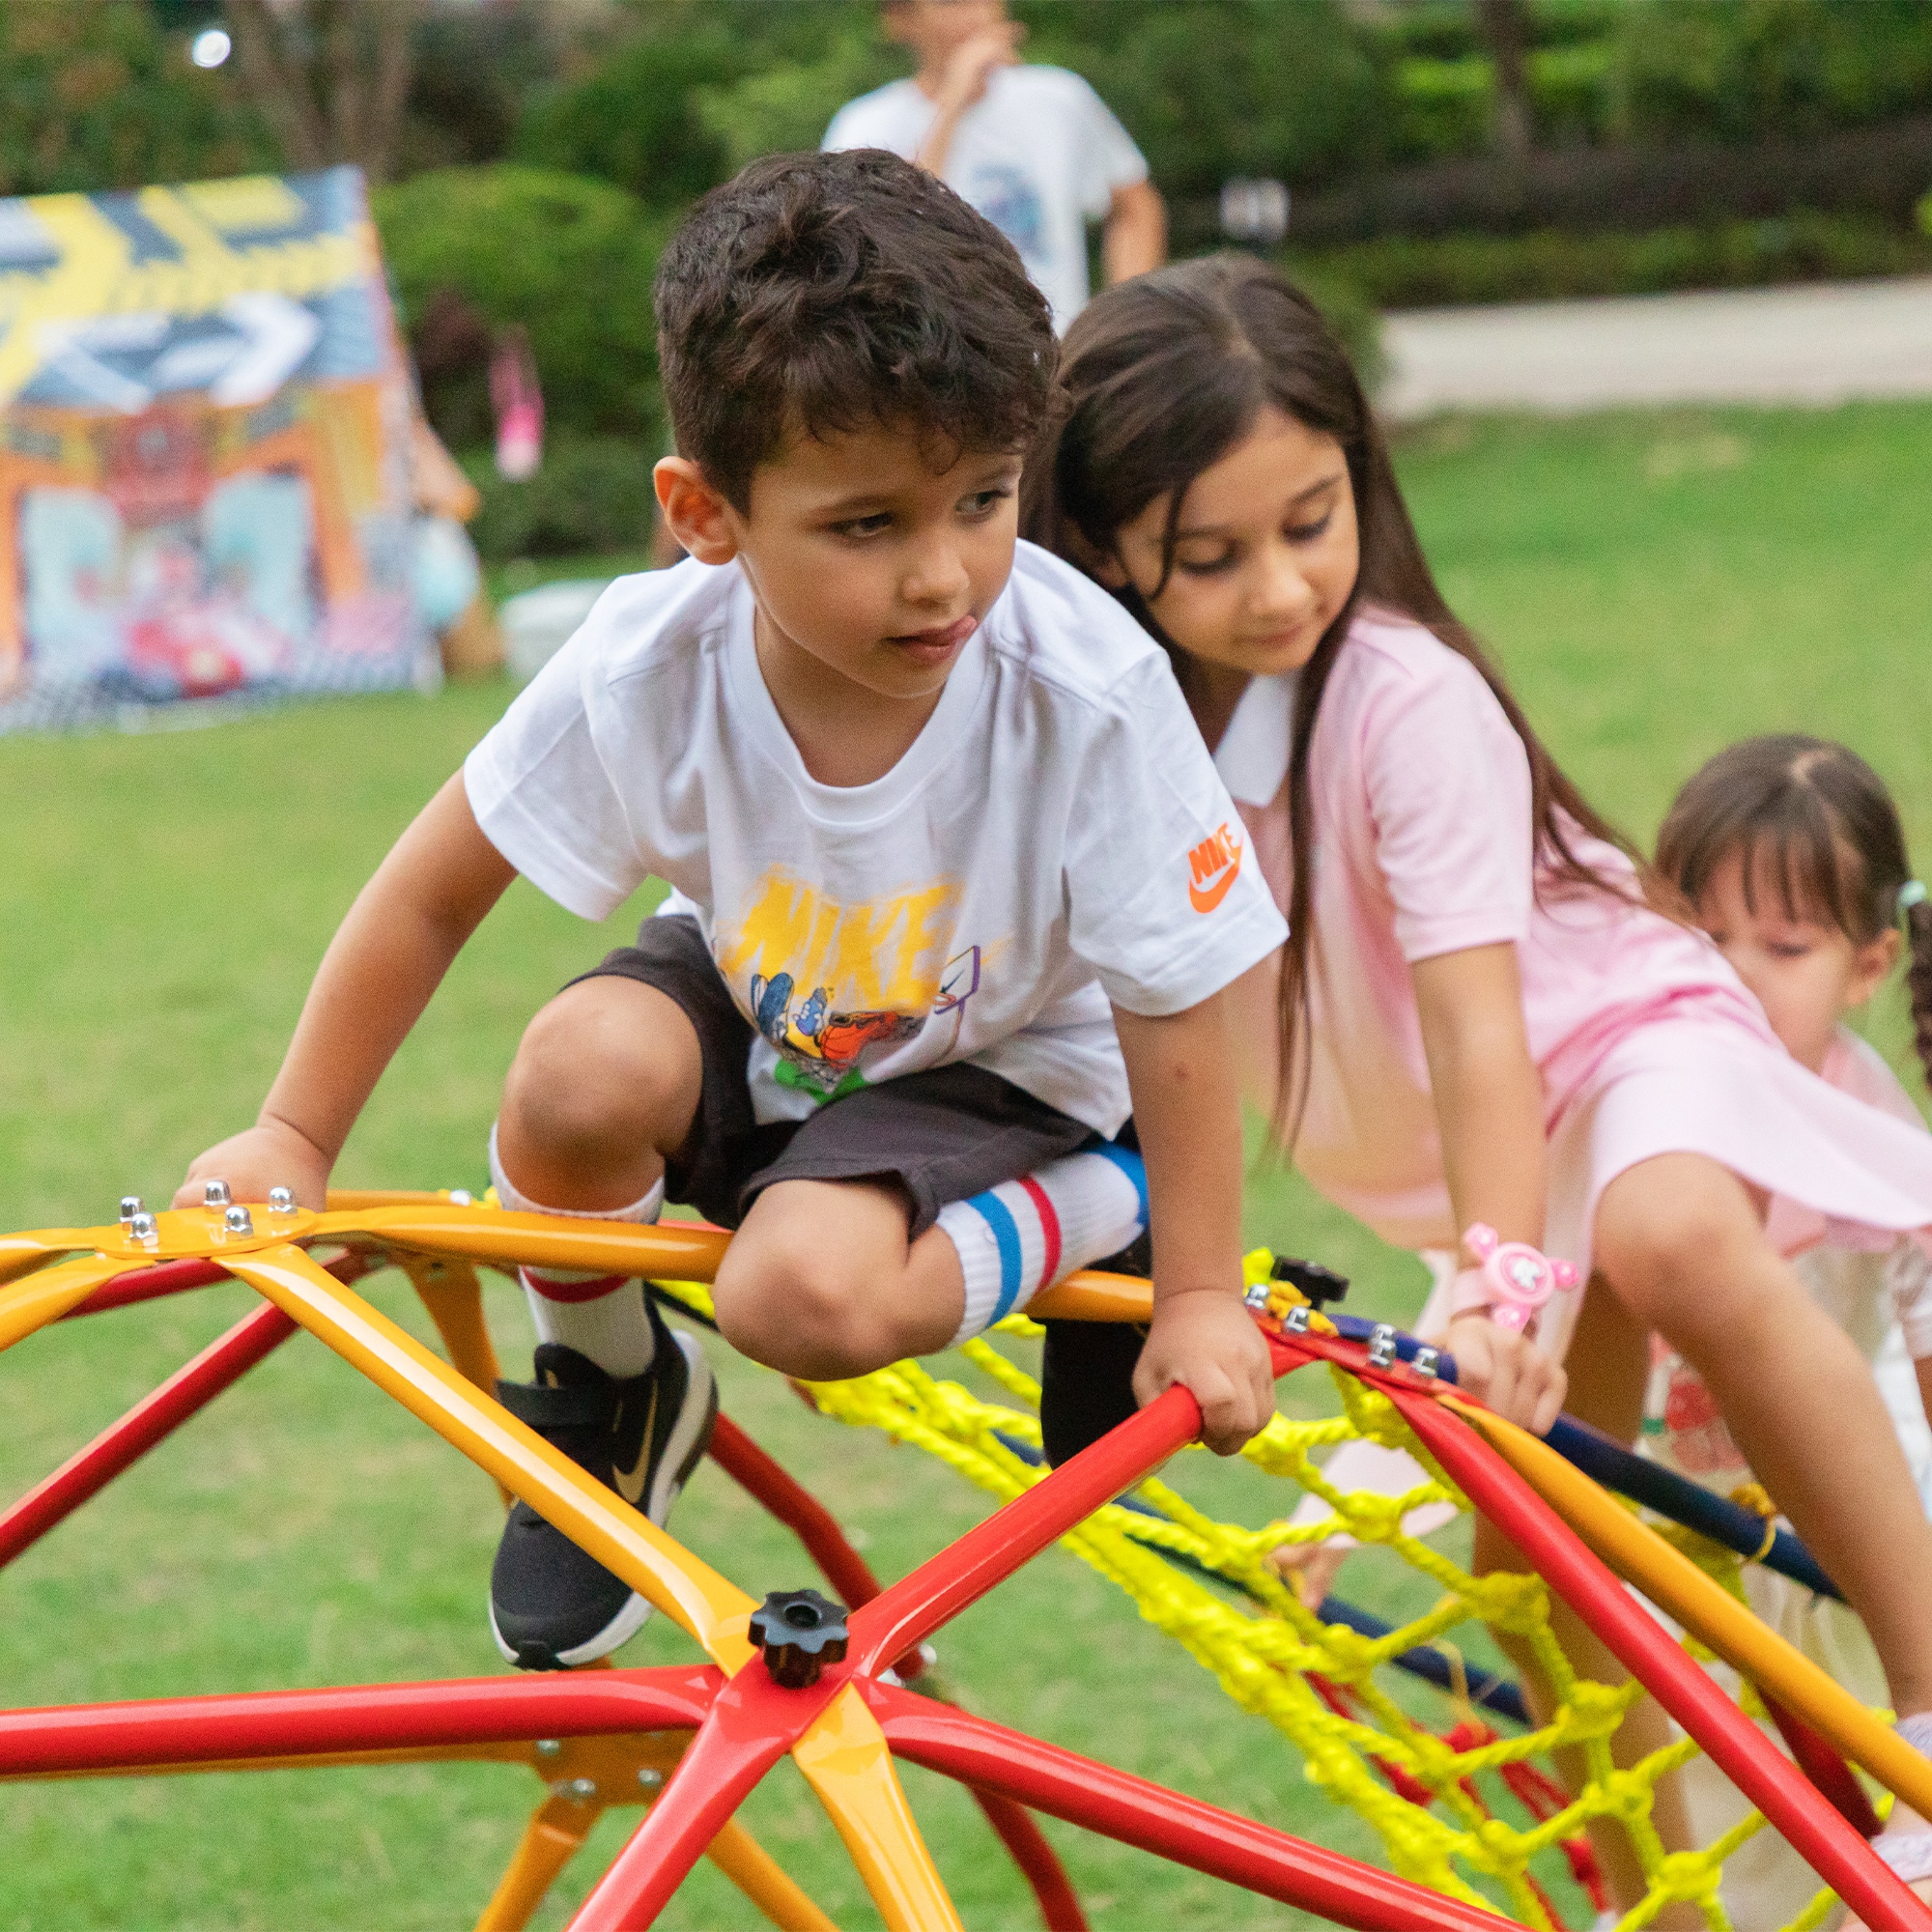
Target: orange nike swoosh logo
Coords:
[(1206, 901)]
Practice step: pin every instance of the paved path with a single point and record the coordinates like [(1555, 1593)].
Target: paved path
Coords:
[(1814, 345)]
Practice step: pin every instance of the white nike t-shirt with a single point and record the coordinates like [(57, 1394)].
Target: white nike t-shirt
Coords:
[(1039, 154), (1055, 838)]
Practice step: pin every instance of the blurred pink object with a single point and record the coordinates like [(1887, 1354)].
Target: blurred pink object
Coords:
[(517, 398)]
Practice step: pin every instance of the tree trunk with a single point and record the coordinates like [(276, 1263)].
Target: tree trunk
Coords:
[(331, 77), (1502, 26)]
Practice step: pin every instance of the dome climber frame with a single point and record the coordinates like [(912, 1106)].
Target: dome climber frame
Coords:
[(692, 1741)]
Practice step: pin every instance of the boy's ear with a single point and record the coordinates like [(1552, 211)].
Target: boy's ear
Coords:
[(695, 510)]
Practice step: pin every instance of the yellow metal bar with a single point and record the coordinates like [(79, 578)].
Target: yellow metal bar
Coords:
[(454, 1298), (710, 1607), (765, 1882), (553, 1838), (846, 1759), (1674, 1583), (679, 1250), (22, 1254), (356, 1200), (47, 1296)]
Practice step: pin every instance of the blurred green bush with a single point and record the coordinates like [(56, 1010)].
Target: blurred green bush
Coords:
[(570, 259), (592, 495), (95, 94), (1426, 271)]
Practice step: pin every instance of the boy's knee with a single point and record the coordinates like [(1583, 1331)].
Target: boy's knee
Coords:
[(786, 1300), (600, 1066)]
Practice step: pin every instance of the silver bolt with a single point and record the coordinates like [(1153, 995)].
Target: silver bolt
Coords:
[(550, 1747), (1424, 1363), (142, 1226), (281, 1201), (237, 1221), (650, 1778), (1381, 1346), (1256, 1296), (1297, 1322), (461, 1197), (215, 1194), (583, 1789), (130, 1206)]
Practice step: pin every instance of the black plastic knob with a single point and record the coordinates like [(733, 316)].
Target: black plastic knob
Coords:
[(800, 1632), (1320, 1285)]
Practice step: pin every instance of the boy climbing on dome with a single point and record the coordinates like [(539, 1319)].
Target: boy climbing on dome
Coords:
[(956, 887)]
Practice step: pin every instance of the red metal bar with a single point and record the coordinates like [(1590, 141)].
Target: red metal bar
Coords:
[(1829, 1845), (1058, 1903), (1821, 1763), (149, 1285), (801, 1512), (157, 1416), (767, 1482), (1220, 1843), (752, 1723), (185, 1731), (909, 1610)]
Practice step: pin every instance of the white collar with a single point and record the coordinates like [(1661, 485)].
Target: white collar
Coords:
[(1252, 756)]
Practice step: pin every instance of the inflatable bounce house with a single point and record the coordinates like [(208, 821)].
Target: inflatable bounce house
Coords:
[(206, 427)]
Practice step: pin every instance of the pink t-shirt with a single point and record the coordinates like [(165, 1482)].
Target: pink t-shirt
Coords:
[(1421, 796)]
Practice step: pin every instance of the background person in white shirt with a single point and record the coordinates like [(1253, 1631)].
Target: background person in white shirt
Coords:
[(1034, 148)]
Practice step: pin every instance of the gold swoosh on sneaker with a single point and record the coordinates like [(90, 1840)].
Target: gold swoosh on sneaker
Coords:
[(630, 1483)]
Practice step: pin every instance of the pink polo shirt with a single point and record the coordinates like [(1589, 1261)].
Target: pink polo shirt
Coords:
[(1421, 797)]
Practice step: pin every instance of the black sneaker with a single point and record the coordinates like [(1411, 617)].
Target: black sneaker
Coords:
[(1087, 1368), (552, 1606)]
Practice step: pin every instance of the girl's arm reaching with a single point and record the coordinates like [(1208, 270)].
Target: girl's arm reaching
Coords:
[(1489, 1107), (407, 925), (1187, 1111)]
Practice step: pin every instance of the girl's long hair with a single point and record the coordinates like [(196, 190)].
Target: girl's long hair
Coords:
[(1165, 375), (1814, 821)]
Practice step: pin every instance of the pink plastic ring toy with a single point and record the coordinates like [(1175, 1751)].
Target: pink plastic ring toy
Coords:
[(1517, 1279)]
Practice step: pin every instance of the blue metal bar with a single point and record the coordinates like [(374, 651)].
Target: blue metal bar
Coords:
[(1676, 1498)]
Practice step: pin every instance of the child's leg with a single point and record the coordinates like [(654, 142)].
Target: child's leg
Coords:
[(1678, 1237), (604, 1088), (826, 1278), (822, 1283)]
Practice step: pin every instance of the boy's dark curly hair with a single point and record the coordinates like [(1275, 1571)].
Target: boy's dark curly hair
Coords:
[(821, 294)]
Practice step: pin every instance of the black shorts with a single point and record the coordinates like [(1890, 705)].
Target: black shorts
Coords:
[(944, 1134)]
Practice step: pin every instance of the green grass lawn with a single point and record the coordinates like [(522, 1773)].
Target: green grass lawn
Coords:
[(1656, 585)]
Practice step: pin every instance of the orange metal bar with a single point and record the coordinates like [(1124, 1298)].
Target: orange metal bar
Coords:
[(554, 1836), (765, 1882), (712, 1610), (1089, 1297)]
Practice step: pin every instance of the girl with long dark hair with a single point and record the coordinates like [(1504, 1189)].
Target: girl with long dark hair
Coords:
[(1493, 1031)]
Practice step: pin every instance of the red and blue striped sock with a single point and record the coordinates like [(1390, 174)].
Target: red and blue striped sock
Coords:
[(1023, 1236)]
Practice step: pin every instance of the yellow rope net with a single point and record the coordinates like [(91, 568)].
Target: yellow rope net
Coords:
[(1209, 1586)]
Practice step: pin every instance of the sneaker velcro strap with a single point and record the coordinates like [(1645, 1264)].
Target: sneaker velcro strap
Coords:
[(544, 1408)]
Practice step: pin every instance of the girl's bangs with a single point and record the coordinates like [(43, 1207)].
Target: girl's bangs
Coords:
[(1801, 862)]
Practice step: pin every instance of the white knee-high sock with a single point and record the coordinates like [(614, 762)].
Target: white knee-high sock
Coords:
[(1022, 1235), (602, 1317)]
